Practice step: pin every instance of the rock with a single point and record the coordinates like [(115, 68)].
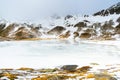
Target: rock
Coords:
[(69, 67), (6, 31), (118, 20), (90, 75), (1, 75), (86, 21), (56, 31), (102, 76), (10, 76), (96, 25), (24, 33), (80, 25), (107, 26), (107, 37), (57, 77), (40, 78), (90, 31), (35, 31), (85, 35), (117, 29), (47, 70), (84, 69), (26, 69), (66, 35), (76, 34), (2, 26), (68, 17), (115, 9)]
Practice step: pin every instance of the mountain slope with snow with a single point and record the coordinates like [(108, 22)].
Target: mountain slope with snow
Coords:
[(87, 27), (92, 27), (115, 9)]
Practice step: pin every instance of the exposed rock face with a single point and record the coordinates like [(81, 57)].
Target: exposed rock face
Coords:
[(7, 30), (18, 31), (118, 20), (2, 26), (104, 77), (115, 9), (23, 33), (85, 35), (76, 34), (117, 29), (73, 27), (84, 69), (56, 31), (80, 25), (68, 17), (69, 67), (66, 35)]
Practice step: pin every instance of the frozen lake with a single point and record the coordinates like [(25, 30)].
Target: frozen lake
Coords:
[(52, 53)]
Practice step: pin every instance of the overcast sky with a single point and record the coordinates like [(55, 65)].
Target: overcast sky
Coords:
[(28, 10)]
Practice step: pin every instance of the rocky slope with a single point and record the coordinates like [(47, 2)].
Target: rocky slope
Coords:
[(115, 9), (65, 72), (94, 27)]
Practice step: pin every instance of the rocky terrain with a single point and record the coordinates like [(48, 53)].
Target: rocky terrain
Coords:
[(103, 25), (65, 72), (115, 9), (70, 27)]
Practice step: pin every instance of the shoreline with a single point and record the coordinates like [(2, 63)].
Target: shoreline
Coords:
[(93, 71)]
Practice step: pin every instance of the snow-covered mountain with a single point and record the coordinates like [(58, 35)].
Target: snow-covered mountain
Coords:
[(67, 27), (115, 9)]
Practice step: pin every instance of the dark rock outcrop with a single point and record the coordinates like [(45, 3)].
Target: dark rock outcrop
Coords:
[(56, 31), (117, 29), (85, 35), (2, 26), (68, 17), (7, 30), (80, 25), (107, 27), (115, 9), (23, 33), (102, 76), (118, 20), (66, 35), (69, 67), (76, 34)]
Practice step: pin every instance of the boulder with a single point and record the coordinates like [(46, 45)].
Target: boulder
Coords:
[(23, 33), (102, 76), (69, 67), (10, 76), (7, 30), (85, 35), (66, 35), (118, 20), (2, 26), (76, 34), (68, 17), (80, 25), (84, 69), (56, 31), (90, 30), (117, 29)]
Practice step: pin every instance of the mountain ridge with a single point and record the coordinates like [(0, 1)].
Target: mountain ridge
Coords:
[(114, 9)]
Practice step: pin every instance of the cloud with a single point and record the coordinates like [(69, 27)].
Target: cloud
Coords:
[(35, 9)]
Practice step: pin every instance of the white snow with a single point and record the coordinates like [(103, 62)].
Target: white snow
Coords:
[(53, 53)]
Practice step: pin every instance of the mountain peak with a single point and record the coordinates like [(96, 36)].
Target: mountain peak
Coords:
[(115, 9)]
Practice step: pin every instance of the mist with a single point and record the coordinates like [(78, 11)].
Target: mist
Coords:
[(33, 10)]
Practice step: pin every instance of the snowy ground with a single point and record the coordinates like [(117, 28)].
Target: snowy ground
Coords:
[(52, 53)]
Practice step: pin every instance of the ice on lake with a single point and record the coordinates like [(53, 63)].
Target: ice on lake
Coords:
[(52, 53)]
